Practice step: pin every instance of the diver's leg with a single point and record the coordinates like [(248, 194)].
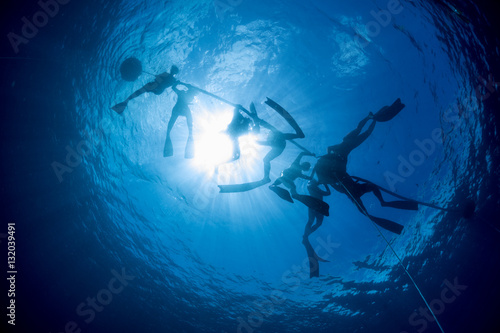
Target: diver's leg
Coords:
[(281, 192), (255, 119), (267, 171), (120, 107), (354, 139), (275, 152), (171, 123), (293, 188), (149, 87), (383, 223), (189, 121), (311, 215), (136, 93), (236, 149), (189, 150), (363, 136), (168, 149), (399, 204), (354, 133), (277, 182), (375, 190), (319, 222), (359, 204)]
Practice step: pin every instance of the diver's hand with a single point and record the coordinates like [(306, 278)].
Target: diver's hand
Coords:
[(310, 154)]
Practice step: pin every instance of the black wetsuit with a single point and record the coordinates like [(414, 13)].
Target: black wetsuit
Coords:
[(161, 82)]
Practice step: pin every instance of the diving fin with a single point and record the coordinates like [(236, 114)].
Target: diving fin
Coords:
[(119, 108), (253, 112), (284, 113), (313, 258), (282, 193), (242, 187), (168, 150), (310, 251), (189, 151), (387, 225), (314, 203), (388, 112), (408, 205)]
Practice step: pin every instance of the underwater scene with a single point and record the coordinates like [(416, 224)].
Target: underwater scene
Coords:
[(250, 166)]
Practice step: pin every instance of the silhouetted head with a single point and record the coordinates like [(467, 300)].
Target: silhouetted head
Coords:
[(313, 182), (333, 149), (305, 166), (174, 70)]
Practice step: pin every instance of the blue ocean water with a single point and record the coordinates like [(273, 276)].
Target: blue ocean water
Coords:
[(111, 236)]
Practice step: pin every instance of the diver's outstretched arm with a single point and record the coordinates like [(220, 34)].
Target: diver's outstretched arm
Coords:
[(174, 88), (306, 177), (297, 160), (324, 193)]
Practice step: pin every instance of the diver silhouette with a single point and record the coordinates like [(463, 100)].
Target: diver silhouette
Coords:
[(240, 126), (181, 108), (162, 81), (276, 139), (314, 215), (288, 177), (331, 169)]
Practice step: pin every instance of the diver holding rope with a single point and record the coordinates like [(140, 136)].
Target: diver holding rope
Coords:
[(331, 169)]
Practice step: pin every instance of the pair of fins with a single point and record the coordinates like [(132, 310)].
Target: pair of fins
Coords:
[(168, 150), (388, 112), (316, 204), (386, 224)]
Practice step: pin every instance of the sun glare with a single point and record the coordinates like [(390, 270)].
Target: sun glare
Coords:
[(212, 145), (214, 148)]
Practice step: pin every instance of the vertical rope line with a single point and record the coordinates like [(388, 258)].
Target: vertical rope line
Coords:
[(393, 251)]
